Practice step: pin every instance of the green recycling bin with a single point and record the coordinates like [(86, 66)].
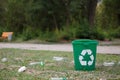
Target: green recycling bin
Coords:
[(84, 54)]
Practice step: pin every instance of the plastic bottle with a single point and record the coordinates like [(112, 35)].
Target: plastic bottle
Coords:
[(58, 78)]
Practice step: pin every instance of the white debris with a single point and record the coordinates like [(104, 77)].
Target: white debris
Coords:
[(102, 79), (58, 79), (4, 59), (58, 58), (21, 69), (119, 63), (34, 63), (108, 63)]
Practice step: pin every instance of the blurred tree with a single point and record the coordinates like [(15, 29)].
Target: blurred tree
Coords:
[(91, 8), (3, 9), (85, 10), (108, 14)]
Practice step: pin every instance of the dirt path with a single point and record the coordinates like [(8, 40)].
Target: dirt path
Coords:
[(58, 47)]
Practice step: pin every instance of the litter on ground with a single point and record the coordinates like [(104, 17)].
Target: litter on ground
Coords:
[(35, 63), (58, 58), (22, 69), (58, 78), (108, 63), (4, 59), (119, 63)]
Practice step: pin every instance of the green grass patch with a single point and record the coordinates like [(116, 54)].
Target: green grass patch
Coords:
[(65, 68)]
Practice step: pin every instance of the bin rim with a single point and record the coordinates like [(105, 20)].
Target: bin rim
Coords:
[(84, 41)]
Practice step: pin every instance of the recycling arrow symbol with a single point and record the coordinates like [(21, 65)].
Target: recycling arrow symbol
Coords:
[(84, 62)]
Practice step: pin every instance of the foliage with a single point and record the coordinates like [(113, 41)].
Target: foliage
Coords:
[(108, 14), (107, 19), (28, 34), (54, 20)]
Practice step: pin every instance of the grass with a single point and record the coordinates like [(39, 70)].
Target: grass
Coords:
[(65, 68)]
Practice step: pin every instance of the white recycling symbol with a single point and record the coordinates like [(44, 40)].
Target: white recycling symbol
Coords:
[(81, 57)]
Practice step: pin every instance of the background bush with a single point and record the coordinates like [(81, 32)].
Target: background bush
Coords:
[(59, 20)]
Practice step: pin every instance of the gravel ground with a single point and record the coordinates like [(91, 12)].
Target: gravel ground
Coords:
[(105, 49)]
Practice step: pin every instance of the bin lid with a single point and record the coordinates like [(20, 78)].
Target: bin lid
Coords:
[(84, 41)]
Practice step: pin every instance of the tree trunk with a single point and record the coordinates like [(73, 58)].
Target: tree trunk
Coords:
[(91, 7), (67, 11), (55, 21)]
